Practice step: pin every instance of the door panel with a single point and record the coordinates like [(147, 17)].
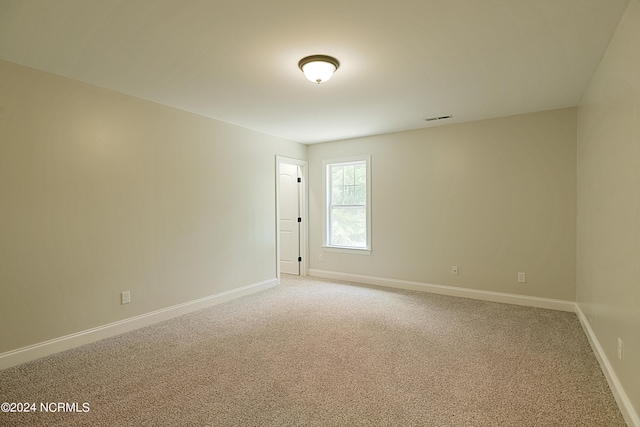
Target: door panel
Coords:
[(289, 213)]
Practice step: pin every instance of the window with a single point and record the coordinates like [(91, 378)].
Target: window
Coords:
[(348, 210)]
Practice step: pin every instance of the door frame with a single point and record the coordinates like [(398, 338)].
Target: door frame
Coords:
[(304, 229)]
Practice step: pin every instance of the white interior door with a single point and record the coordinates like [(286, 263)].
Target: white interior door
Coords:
[(289, 214)]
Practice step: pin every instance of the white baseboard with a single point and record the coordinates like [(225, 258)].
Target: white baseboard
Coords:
[(552, 304), (36, 351), (628, 412)]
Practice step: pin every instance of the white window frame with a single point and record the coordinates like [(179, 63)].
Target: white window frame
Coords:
[(326, 215)]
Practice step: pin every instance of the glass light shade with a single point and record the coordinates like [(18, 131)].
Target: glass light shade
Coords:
[(318, 71), (318, 68)]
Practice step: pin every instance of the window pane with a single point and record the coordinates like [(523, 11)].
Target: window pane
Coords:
[(337, 176), (349, 175), (361, 174), (349, 195), (348, 227), (361, 195), (337, 196)]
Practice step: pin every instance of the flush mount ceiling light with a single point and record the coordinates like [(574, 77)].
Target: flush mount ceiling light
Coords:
[(318, 68)]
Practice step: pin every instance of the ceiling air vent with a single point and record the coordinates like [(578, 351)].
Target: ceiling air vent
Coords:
[(433, 119)]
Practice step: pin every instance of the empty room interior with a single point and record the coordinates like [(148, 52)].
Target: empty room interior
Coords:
[(441, 227)]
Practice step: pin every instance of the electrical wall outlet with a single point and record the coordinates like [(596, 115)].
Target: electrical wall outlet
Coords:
[(620, 349), (454, 270), (126, 297), (522, 278), (321, 257)]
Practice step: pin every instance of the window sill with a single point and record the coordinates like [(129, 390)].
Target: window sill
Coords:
[(347, 250)]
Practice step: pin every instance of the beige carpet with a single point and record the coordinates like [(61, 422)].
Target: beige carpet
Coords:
[(321, 353)]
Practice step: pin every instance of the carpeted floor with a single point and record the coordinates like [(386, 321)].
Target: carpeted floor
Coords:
[(321, 353)]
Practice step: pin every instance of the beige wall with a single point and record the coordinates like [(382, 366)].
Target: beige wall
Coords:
[(494, 197), (101, 193), (608, 268)]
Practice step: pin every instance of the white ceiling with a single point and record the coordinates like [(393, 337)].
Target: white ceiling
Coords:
[(401, 61)]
